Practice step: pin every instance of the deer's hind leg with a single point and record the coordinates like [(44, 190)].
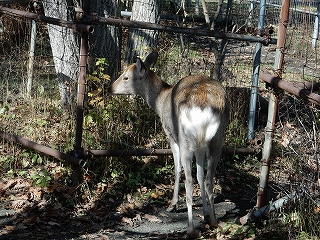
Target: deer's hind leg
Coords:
[(186, 161), (200, 157), (213, 156), (177, 171)]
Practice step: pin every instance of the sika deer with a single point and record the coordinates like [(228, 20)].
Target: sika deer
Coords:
[(194, 114)]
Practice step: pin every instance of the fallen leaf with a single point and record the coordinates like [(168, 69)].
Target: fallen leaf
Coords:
[(22, 184), (127, 220), (20, 203), (36, 193), (10, 228), (137, 218), (152, 218), (30, 220), (153, 195), (144, 189), (9, 184), (52, 188)]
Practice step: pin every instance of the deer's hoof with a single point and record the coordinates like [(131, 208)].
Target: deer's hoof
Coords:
[(172, 208), (208, 220), (193, 234)]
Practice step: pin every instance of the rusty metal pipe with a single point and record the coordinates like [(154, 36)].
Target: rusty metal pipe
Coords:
[(87, 153), (293, 88), (81, 89), (42, 148), (55, 21), (272, 108), (193, 31)]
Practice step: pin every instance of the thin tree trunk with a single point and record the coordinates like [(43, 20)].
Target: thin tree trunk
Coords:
[(141, 41)]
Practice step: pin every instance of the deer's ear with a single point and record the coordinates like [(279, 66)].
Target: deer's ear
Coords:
[(151, 59), (140, 67)]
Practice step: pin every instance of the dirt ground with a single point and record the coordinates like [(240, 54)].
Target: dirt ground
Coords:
[(26, 212)]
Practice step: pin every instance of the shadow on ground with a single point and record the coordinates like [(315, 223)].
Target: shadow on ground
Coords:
[(35, 219)]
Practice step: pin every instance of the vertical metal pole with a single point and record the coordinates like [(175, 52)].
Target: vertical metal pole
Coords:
[(255, 76), (31, 56), (81, 89), (283, 24), (76, 174), (82, 82), (272, 109), (266, 151)]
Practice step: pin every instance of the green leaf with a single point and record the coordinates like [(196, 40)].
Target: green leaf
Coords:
[(41, 89), (34, 158), (39, 159), (22, 172)]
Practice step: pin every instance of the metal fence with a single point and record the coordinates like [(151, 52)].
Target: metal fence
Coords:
[(42, 120)]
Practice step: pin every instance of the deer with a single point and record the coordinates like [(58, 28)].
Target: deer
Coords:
[(194, 114)]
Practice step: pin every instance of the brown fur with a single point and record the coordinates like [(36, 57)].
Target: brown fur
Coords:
[(200, 91)]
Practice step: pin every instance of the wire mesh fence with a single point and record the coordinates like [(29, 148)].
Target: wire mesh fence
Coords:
[(129, 123)]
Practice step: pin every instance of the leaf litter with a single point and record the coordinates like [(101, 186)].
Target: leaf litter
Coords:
[(43, 214)]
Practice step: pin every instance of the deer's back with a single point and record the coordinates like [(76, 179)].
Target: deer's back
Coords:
[(199, 91)]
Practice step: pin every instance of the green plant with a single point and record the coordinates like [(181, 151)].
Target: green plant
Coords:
[(41, 179), (96, 83), (6, 162), (4, 109)]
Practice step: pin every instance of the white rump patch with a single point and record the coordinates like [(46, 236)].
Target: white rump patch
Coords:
[(199, 125)]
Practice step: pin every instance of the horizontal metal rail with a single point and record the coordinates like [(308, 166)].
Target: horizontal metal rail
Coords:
[(88, 153), (136, 24), (303, 90), (55, 21), (294, 9), (41, 148), (191, 31)]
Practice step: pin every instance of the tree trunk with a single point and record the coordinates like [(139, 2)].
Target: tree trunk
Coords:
[(141, 41), (105, 40), (65, 50)]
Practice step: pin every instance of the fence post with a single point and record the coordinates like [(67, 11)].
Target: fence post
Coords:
[(255, 76), (76, 174), (272, 109)]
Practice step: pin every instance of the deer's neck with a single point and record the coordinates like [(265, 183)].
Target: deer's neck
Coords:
[(156, 92)]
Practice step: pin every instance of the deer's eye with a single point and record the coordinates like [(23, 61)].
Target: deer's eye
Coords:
[(125, 78)]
